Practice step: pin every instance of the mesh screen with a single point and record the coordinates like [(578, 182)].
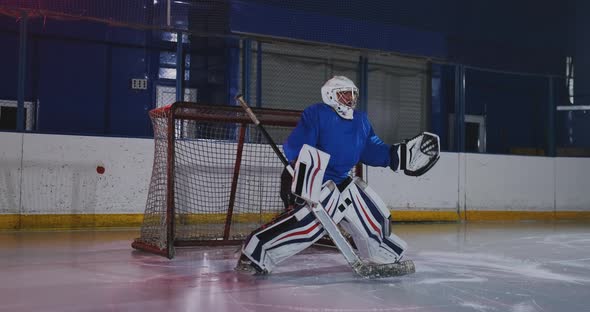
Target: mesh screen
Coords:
[(203, 16), (204, 181), (210, 144), (154, 227)]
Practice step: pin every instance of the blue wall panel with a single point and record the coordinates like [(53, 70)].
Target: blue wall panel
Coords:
[(515, 108), (72, 81), (51, 28), (9, 65), (442, 100), (250, 17), (579, 122), (501, 34), (80, 72), (503, 56), (9, 58), (127, 112)]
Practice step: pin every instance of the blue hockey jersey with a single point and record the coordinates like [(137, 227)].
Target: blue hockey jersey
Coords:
[(347, 141)]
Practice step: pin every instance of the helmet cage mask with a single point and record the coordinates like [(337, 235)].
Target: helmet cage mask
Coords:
[(341, 94), (347, 96)]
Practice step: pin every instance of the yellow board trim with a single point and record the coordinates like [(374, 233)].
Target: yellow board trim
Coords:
[(77, 221), (220, 218), (424, 216), (573, 215), (69, 221), (526, 215), (9, 222)]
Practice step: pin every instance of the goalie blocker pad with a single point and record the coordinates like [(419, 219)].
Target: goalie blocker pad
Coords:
[(419, 154), (309, 173)]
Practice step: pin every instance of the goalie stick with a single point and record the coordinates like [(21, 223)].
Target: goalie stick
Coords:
[(367, 270)]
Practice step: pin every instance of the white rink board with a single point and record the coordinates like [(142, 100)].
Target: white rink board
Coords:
[(60, 177), (436, 190), (10, 161), (509, 183), (572, 181)]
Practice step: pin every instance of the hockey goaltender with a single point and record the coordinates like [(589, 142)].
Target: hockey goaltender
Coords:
[(330, 138)]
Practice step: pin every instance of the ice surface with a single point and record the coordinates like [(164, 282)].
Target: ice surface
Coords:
[(459, 267)]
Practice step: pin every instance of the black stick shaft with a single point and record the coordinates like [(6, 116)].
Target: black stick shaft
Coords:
[(272, 143)]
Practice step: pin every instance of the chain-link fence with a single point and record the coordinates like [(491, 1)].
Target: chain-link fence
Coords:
[(199, 17)]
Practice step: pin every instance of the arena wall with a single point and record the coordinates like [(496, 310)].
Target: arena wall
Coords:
[(56, 181)]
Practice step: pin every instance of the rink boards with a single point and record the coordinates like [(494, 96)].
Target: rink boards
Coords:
[(51, 181)]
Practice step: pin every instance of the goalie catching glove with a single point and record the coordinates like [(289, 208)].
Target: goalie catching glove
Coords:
[(417, 155)]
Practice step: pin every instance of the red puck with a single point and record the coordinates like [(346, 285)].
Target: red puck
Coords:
[(100, 169)]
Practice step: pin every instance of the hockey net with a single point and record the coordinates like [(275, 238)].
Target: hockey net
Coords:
[(214, 179)]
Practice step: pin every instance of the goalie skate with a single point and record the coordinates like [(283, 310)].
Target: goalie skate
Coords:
[(384, 270), (246, 265)]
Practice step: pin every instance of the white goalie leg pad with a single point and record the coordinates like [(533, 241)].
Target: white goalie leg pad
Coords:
[(366, 219), (287, 235), (332, 201), (283, 238)]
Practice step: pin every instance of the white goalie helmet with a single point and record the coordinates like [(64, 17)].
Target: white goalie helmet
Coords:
[(341, 94)]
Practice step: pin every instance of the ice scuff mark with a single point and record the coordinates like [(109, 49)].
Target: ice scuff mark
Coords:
[(481, 264)]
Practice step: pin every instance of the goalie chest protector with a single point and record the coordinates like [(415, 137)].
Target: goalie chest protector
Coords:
[(347, 141)]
